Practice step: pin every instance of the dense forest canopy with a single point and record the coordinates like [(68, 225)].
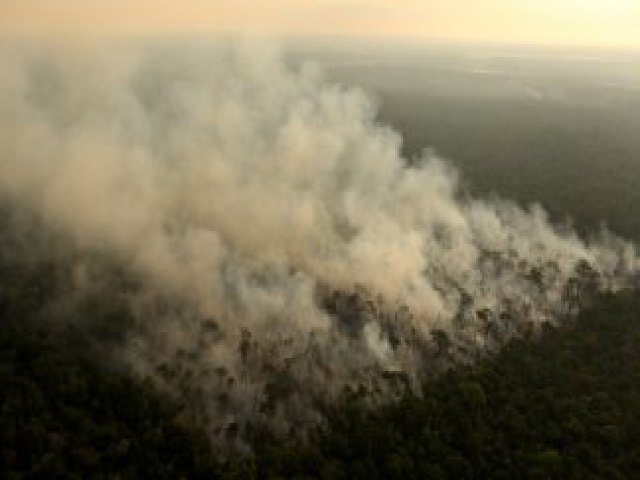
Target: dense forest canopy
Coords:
[(563, 405), (216, 264)]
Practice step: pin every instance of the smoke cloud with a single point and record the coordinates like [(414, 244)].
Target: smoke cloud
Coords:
[(282, 248)]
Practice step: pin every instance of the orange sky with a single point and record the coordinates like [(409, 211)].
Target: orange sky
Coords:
[(586, 22)]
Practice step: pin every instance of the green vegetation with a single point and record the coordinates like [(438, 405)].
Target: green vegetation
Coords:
[(66, 412), (576, 161), (63, 415), (566, 405), (539, 126)]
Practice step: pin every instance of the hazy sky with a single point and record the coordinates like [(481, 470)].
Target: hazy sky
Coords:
[(591, 22)]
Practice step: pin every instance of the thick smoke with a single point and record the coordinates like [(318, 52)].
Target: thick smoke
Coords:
[(282, 247)]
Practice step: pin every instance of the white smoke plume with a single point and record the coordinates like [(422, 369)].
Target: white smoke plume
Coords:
[(284, 247)]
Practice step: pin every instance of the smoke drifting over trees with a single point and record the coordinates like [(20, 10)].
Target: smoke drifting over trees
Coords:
[(263, 233)]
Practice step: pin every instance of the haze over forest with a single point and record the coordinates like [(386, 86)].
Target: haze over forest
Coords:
[(276, 252)]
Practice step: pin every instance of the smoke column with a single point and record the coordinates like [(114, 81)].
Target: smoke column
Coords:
[(282, 248)]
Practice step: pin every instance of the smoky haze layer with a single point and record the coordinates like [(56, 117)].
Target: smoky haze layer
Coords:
[(282, 247)]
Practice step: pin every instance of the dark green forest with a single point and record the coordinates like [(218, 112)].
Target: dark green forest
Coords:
[(505, 141), (566, 405), (563, 405)]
